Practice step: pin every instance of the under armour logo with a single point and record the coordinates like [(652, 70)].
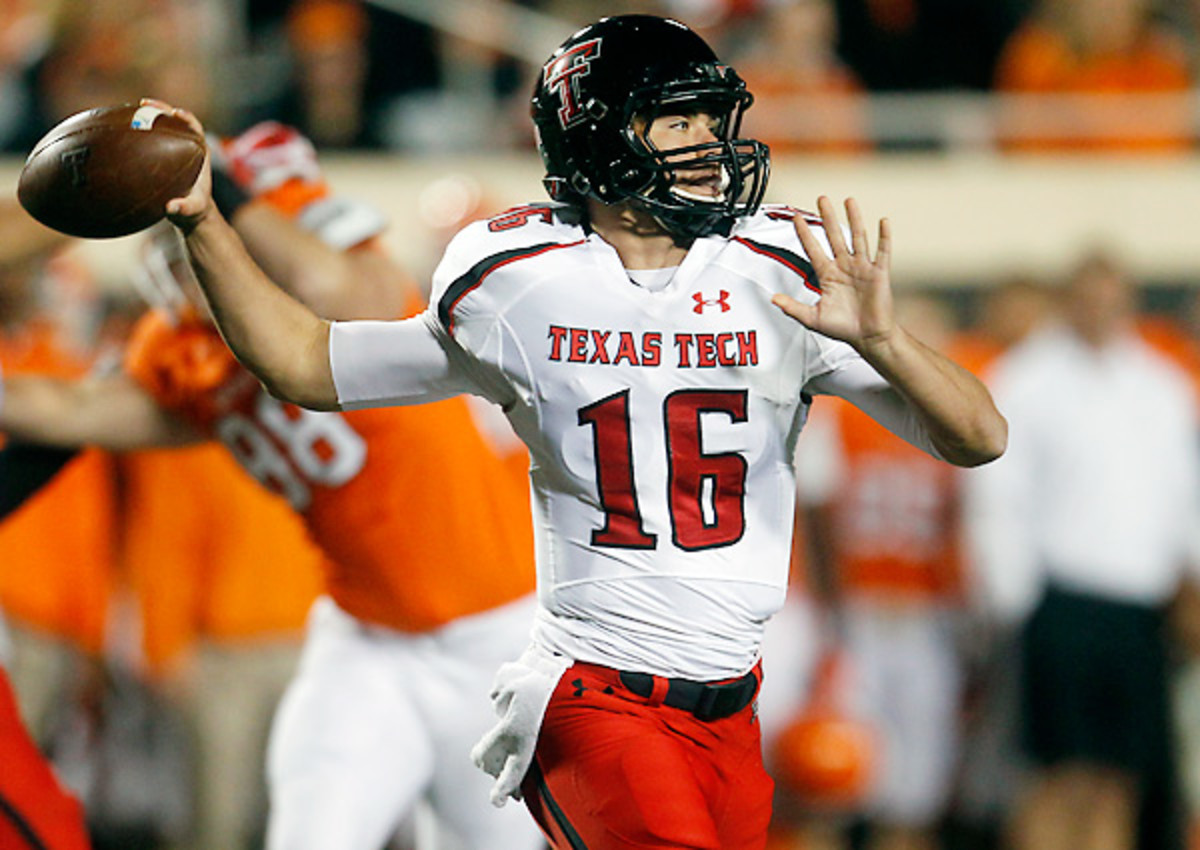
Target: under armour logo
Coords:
[(721, 301), (73, 161), (580, 688)]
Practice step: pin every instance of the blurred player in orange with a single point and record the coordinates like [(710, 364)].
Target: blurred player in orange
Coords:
[(424, 516), (220, 649), (889, 514), (36, 812)]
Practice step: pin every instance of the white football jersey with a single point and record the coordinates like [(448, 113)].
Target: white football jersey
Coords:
[(661, 422)]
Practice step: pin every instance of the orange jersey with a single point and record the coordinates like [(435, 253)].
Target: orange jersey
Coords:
[(201, 542), (57, 575), (975, 353), (895, 515), (423, 520)]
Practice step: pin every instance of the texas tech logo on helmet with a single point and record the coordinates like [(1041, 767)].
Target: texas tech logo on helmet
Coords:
[(560, 76)]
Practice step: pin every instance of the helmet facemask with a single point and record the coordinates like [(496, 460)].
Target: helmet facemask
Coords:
[(698, 189)]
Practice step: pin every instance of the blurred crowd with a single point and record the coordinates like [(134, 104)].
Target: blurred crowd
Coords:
[(419, 77), (155, 600)]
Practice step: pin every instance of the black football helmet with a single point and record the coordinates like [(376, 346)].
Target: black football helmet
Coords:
[(601, 78)]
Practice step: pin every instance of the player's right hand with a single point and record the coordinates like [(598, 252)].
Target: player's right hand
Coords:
[(188, 211)]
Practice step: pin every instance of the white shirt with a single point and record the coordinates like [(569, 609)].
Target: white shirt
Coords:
[(1099, 489), (661, 422)]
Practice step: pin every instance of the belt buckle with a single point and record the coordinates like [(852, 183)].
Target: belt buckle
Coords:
[(709, 706)]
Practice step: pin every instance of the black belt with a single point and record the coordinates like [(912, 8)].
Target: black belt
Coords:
[(705, 701)]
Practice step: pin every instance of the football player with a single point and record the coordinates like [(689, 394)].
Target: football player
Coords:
[(422, 511), (655, 335)]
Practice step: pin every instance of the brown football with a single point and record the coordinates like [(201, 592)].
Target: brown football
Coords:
[(110, 171)]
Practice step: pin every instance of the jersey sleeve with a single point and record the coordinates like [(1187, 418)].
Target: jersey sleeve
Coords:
[(820, 458), (852, 378), (410, 361)]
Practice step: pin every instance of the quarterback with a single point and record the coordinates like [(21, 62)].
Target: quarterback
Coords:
[(655, 336)]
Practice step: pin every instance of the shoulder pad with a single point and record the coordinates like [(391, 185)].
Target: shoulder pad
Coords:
[(485, 246), (771, 234)]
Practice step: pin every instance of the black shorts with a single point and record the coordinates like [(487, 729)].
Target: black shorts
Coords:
[(1094, 683)]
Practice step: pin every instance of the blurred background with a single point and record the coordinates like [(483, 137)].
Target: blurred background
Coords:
[(1013, 144)]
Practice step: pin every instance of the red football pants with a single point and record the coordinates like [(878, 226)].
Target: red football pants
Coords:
[(616, 771), (35, 812)]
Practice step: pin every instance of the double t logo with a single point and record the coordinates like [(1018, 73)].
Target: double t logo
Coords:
[(73, 161), (560, 77)]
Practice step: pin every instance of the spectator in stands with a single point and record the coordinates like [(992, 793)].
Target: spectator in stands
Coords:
[(116, 51), (1096, 505), (808, 99), (1088, 59), (329, 46), (899, 45)]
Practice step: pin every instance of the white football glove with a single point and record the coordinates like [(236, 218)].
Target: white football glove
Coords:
[(342, 223), (268, 155), (520, 694)]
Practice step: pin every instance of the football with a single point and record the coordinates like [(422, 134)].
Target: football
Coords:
[(110, 171)]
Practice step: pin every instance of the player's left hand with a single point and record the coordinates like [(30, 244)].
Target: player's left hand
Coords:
[(519, 695), (269, 154), (856, 292)]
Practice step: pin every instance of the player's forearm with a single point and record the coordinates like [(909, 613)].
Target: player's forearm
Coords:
[(955, 407), (110, 413), (359, 283), (299, 262), (279, 339)]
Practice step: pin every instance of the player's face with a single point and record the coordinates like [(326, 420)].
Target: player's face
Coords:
[(684, 130)]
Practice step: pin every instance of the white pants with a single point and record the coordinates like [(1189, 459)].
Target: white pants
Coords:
[(377, 720), (908, 682)]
